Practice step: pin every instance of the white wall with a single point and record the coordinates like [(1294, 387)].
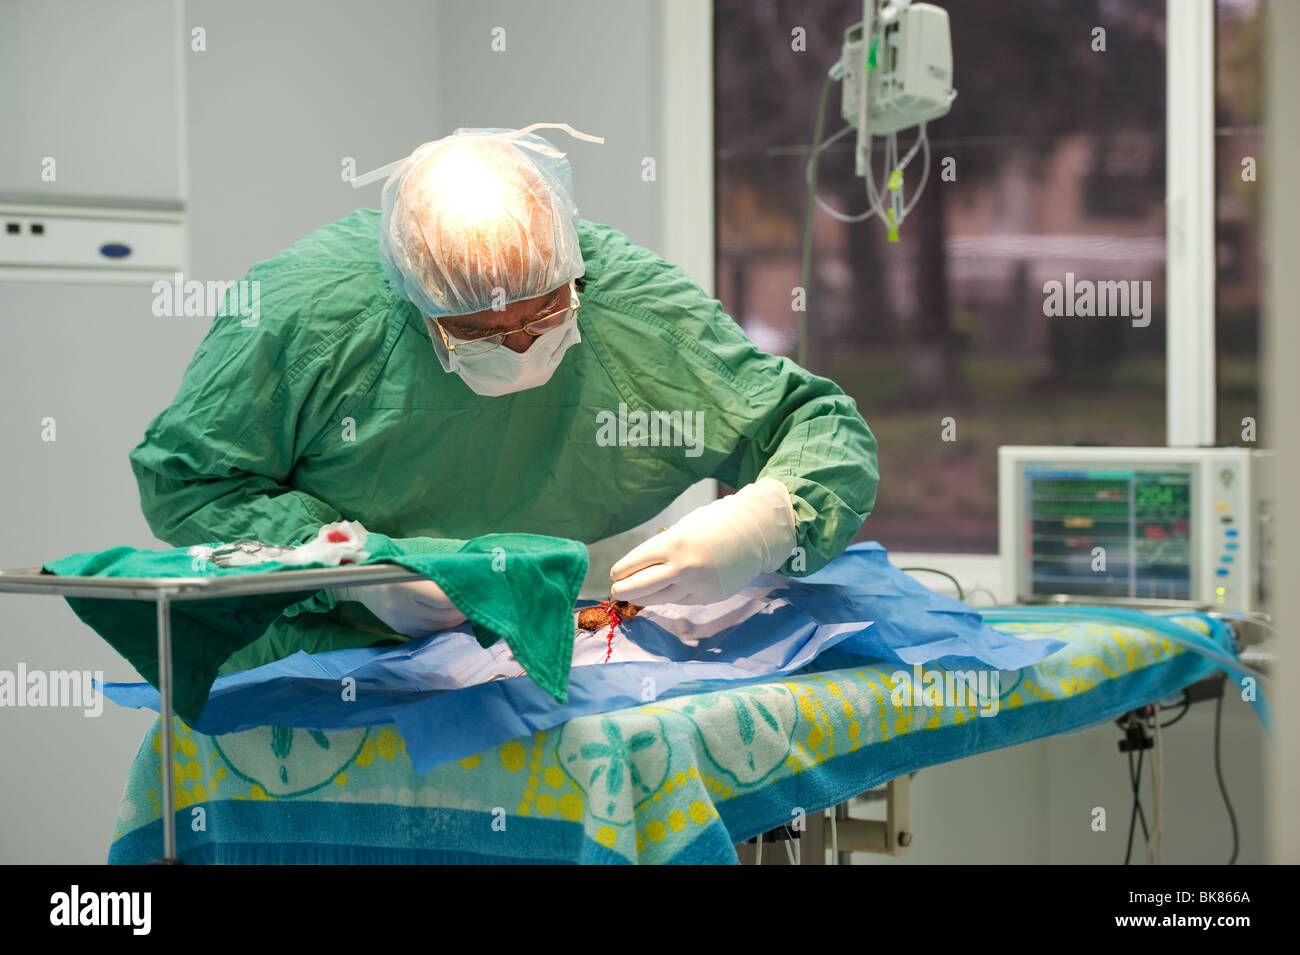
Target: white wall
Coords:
[(112, 91), (1282, 346), (282, 94), (589, 63), (86, 357)]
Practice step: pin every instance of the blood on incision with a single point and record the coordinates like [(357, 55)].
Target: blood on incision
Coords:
[(593, 618), (607, 613)]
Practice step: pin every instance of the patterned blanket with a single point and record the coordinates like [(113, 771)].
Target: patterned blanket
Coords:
[(679, 780)]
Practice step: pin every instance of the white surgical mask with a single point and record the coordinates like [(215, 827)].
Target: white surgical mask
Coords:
[(503, 371)]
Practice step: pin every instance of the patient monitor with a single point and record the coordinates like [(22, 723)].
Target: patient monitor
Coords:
[(1178, 526)]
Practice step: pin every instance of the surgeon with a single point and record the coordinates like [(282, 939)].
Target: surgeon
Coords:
[(475, 358)]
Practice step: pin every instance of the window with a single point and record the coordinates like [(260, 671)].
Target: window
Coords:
[(1059, 159)]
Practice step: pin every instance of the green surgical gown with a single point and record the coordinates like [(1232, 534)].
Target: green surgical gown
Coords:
[(333, 405)]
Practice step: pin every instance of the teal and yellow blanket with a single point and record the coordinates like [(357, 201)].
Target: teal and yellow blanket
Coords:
[(678, 780)]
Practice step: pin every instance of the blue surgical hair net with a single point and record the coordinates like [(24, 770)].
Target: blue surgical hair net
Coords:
[(479, 220)]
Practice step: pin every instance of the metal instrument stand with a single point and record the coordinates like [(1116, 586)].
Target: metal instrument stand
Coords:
[(164, 591)]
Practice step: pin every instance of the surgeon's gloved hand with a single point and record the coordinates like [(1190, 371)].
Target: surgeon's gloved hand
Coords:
[(713, 552), (416, 609)]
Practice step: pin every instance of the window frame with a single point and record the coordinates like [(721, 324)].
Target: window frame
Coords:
[(1190, 374)]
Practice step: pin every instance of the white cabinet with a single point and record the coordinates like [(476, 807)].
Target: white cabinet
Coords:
[(91, 174), (95, 87)]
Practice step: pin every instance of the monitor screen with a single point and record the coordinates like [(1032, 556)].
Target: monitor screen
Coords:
[(1109, 533)]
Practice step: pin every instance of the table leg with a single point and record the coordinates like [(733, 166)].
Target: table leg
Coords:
[(165, 719), (841, 813)]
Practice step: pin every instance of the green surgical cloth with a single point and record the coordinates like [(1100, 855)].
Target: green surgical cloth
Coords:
[(516, 587), (330, 404)]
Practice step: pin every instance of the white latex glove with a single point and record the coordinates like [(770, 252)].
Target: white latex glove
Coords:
[(713, 552), (416, 609)]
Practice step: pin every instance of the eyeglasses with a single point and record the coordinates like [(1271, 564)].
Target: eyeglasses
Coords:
[(537, 326)]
